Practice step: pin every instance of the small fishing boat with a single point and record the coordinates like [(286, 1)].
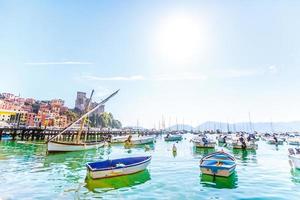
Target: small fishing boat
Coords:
[(119, 139), (6, 136), (247, 145), (60, 146), (293, 141), (117, 167), (294, 156), (139, 140), (203, 142), (243, 143), (274, 140), (218, 164), (172, 138), (54, 144)]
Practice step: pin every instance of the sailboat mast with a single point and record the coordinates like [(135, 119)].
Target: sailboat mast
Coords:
[(85, 118)]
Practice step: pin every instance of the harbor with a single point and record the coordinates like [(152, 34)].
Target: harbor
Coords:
[(149, 100), (259, 173)]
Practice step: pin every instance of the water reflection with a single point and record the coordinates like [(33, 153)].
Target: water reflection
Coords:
[(230, 182), (174, 153), (245, 155), (200, 152), (74, 160), (295, 176), (101, 185)]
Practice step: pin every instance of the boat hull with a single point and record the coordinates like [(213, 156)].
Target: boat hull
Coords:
[(121, 139), (138, 141), (218, 164), (100, 174), (202, 145), (53, 146), (173, 138), (249, 146), (223, 173), (295, 161)]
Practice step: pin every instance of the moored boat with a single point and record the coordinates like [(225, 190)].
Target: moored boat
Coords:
[(119, 139), (60, 146), (54, 145), (244, 143), (171, 137), (117, 167), (294, 156), (273, 140), (203, 142), (142, 140), (130, 141), (218, 164)]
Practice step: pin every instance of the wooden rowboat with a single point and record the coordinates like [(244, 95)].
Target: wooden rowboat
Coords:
[(294, 157), (55, 146), (218, 164), (203, 142), (117, 167), (170, 138)]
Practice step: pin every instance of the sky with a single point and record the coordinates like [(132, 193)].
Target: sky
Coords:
[(195, 61)]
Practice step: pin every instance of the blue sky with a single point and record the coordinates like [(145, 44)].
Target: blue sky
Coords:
[(194, 60)]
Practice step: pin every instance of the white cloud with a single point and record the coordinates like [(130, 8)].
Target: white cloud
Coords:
[(60, 63), (162, 77), (179, 77), (114, 78), (225, 73), (237, 73)]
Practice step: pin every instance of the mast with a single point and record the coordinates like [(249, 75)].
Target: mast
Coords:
[(84, 115), (85, 118), (250, 123)]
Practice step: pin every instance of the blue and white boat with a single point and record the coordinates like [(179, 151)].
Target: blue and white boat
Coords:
[(218, 164), (175, 137), (117, 167)]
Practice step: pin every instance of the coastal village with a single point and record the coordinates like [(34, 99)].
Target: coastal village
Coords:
[(16, 111)]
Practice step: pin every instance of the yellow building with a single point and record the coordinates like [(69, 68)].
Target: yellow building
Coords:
[(13, 116), (5, 115)]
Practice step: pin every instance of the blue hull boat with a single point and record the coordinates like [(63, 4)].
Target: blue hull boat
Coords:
[(172, 138), (218, 164), (117, 167)]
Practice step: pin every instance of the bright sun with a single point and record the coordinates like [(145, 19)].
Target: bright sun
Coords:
[(179, 38)]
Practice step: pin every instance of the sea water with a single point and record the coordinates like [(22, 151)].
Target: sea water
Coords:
[(27, 172)]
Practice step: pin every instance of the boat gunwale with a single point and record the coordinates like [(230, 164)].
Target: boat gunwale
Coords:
[(218, 152), (76, 144), (112, 168)]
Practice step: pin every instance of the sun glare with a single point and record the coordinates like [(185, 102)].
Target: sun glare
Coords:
[(179, 38)]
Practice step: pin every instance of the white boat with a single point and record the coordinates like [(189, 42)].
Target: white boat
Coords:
[(173, 137), (271, 140), (203, 142), (117, 167), (119, 139), (53, 145), (294, 156), (293, 141), (251, 145), (142, 140), (218, 164)]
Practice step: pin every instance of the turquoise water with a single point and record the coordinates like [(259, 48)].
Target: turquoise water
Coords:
[(26, 172)]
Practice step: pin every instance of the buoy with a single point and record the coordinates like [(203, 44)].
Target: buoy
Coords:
[(147, 147), (174, 148)]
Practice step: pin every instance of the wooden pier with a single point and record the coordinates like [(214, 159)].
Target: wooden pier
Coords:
[(32, 134)]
